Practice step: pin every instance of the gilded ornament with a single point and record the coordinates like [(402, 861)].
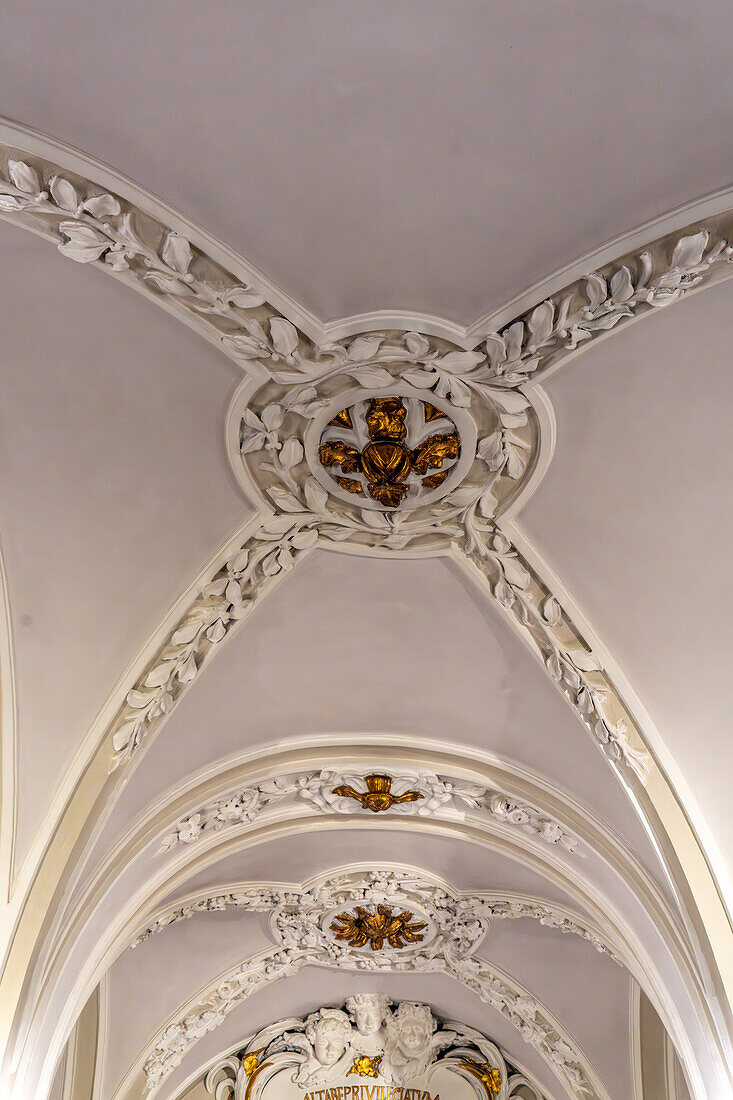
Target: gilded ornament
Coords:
[(431, 453), (366, 1067), (350, 484), (342, 420), (432, 413), (378, 794), (250, 1063), (488, 1075), (387, 461), (337, 453), (363, 927)]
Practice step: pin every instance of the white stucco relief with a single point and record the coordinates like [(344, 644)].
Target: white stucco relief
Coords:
[(301, 922), (373, 1038), (496, 378), (290, 381), (320, 789)]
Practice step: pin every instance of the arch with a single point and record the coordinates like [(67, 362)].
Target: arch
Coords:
[(157, 260)]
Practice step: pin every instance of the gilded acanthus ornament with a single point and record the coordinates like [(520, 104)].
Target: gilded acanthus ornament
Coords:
[(378, 795), (386, 462), (363, 927), (366, 1067)]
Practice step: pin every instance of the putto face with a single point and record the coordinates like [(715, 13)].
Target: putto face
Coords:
[(414, 1036), (368, 1019), (329, 1044)]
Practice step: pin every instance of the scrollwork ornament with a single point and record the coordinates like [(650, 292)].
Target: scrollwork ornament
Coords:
[(453, 928), (403, 1058), (404, 1042), (297, 913)]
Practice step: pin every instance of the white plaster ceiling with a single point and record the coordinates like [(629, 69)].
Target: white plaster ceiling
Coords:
[(116, 480), (418, 156), (352, 646), (637, 501), (418, 159)]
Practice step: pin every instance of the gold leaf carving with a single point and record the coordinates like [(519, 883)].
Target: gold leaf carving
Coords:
[(363, 927), (387, 461), (378, 794)]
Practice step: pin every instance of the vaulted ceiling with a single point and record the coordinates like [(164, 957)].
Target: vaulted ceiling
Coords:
[(283, 214)]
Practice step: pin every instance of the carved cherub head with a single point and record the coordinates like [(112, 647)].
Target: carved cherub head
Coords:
[(328, 1031), (411, 1028), (369, 1011)]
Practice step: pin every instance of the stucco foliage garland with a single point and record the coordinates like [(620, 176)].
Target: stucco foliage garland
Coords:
[(91, 225), (318, 789), (297, 920), (265, 900), (228, 598)]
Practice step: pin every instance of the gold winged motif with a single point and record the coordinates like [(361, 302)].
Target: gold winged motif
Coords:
[(378, 794), (386, 461), (363, 927)]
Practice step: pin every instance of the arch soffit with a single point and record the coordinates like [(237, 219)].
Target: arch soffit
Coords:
[(153, 899), (414, 884)]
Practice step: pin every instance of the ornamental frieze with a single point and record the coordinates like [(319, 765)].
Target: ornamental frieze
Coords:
[(339, 791), (454, 927), (370, 1048)]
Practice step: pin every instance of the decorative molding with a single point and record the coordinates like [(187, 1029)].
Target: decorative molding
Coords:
[(279, 448), (241, 807), (95, 226), (484, 907), (91, 225), (300, 923), (146, 254), (228, 598), (327, 791), (373, 1037), (324, 792), (553, 636)]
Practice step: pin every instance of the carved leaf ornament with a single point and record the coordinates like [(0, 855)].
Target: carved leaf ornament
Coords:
[(93, 226), (454, 927), (330, 790), (446, 490)]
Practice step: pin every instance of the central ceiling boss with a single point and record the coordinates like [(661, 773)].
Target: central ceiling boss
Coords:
[(391, 439)]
